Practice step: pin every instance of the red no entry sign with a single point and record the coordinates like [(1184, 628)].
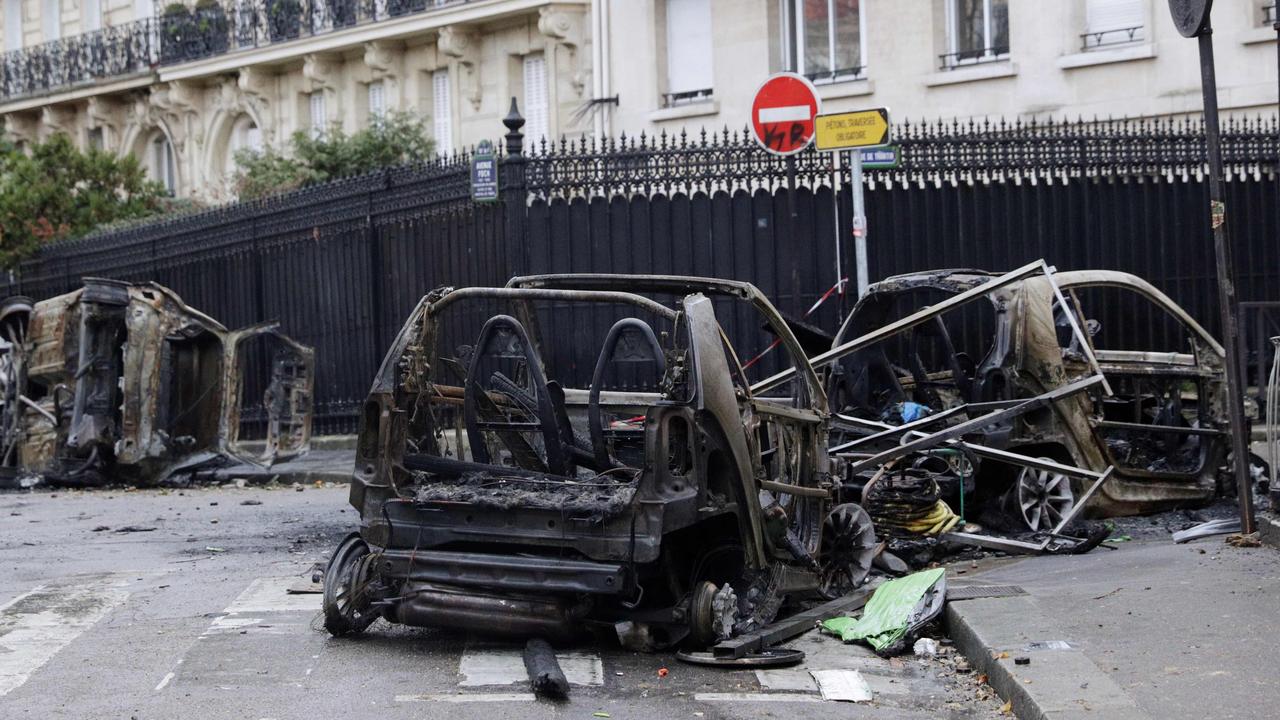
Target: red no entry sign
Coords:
[(782, 113)]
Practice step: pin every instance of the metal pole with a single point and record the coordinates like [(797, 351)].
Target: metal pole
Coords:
[(1226, 282), (797, 299), (835, 211), (859, 221)]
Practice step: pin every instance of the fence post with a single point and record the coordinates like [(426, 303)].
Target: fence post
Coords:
[(377, 275), (514, 190)]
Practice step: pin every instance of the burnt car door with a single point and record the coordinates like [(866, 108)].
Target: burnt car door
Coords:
[(268, 395), (1164, 421)]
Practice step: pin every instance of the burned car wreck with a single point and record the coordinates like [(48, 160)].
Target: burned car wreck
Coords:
[(665, 500), (1158, 418), (121, 382)]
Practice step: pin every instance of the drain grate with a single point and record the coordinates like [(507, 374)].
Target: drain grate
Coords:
[(973, 592)]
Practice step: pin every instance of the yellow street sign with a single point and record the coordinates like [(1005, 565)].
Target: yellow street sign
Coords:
[(842, 131)]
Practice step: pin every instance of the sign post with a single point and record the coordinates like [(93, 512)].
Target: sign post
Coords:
[(853, 131), (1191, 17)]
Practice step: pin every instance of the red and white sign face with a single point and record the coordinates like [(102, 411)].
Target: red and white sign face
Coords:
[(782, 113)]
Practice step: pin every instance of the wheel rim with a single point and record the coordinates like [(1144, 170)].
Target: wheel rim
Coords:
[(1044, 497), (848, 547), (346, 580)]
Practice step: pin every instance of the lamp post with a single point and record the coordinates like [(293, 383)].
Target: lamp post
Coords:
[(1192, 20)]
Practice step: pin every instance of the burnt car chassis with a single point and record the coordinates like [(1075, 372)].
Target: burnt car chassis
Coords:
[(493, 499), (123, 382)]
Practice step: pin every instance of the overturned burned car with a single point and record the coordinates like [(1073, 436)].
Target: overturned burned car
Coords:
[(121, 382), (663, 500), (1160, 418)]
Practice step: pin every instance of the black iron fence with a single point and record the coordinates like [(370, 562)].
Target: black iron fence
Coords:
[(116, 51), (341, 265)]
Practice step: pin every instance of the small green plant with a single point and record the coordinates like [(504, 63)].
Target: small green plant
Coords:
[(394, 139)]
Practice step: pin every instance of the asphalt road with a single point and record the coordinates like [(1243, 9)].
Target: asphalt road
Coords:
[(174, 604)]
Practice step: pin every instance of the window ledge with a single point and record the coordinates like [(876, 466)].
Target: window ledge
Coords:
[(1262, 34), (972, 73), (1104, 56), (698, 109), (845, 88)]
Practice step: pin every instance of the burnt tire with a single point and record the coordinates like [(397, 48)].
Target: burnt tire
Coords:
[(347, 606), (847, 549)]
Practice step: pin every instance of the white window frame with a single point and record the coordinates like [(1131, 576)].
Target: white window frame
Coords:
[(537, 116), (317, 114), (50, 20), (1095, 38), (442, 110), (793, 41), (90, 15), (163, 162), (953, 40), (686, 96), (376, 94)]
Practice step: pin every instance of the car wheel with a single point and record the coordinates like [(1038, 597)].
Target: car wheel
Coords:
[(346, 580), (847, 549), (1043, 497)]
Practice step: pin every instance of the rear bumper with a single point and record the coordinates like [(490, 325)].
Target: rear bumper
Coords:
[(505, 573)]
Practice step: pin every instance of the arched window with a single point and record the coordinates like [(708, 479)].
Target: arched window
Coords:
[(160, 162), (245, 135)]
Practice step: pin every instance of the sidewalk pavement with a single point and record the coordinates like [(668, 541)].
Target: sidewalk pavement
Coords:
[(1185, 631)]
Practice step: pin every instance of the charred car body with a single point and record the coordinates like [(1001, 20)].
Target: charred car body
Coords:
[(1160, 419), (120, 382), (664, 500)]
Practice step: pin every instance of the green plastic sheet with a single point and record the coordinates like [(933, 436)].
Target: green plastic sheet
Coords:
[(897, 608)]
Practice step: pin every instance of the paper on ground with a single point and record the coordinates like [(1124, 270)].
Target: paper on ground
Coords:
[(846, 685)]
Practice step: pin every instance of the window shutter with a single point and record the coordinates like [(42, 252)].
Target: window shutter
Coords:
[(442, 110), (12, 24), (688, 46), (1104, 15), (377, 99), (535, 98), (318, 114)]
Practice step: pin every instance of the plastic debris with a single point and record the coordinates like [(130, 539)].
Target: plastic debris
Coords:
[(897, 610), (842, 685), (663, 672), (925, 648), (1222, 526)]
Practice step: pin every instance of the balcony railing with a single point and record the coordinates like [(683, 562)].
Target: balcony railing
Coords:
[(1269, 14), (1107, 38), (110, 52), (976, 56), (187, 35)]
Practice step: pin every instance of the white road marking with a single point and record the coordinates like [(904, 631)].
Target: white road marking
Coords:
[(36, 625), (506, 667), (786, 680), (468, 697), (271, 595), (788, 113), (168, 676), (756, 697)]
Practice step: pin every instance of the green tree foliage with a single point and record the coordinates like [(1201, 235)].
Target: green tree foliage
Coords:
[(56, 191), (394, 139)]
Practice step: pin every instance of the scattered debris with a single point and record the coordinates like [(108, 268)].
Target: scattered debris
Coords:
[(250, 502), (1022, 660), (1221, 526), (213, 549), (842, 685), (547, 678), (896, 611), (135, 529), (1244, 541), (925, 648), (767, 658)]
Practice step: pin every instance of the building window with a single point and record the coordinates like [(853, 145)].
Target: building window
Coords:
[(51, 19), (1269, 13), (245, 135), (688, 51), (977, 31), (442, 110), (12, 24), (160, 162), (377, 100), (823, 39), (91, 15), (319, 115), (535, 98), (1112, 22), (94, 138)]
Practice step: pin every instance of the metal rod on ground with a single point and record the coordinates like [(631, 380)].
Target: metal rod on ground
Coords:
[(544, 670), (859, 220), (1226, 281)]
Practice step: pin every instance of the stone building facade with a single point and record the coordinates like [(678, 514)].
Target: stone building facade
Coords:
[(182, 88)]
